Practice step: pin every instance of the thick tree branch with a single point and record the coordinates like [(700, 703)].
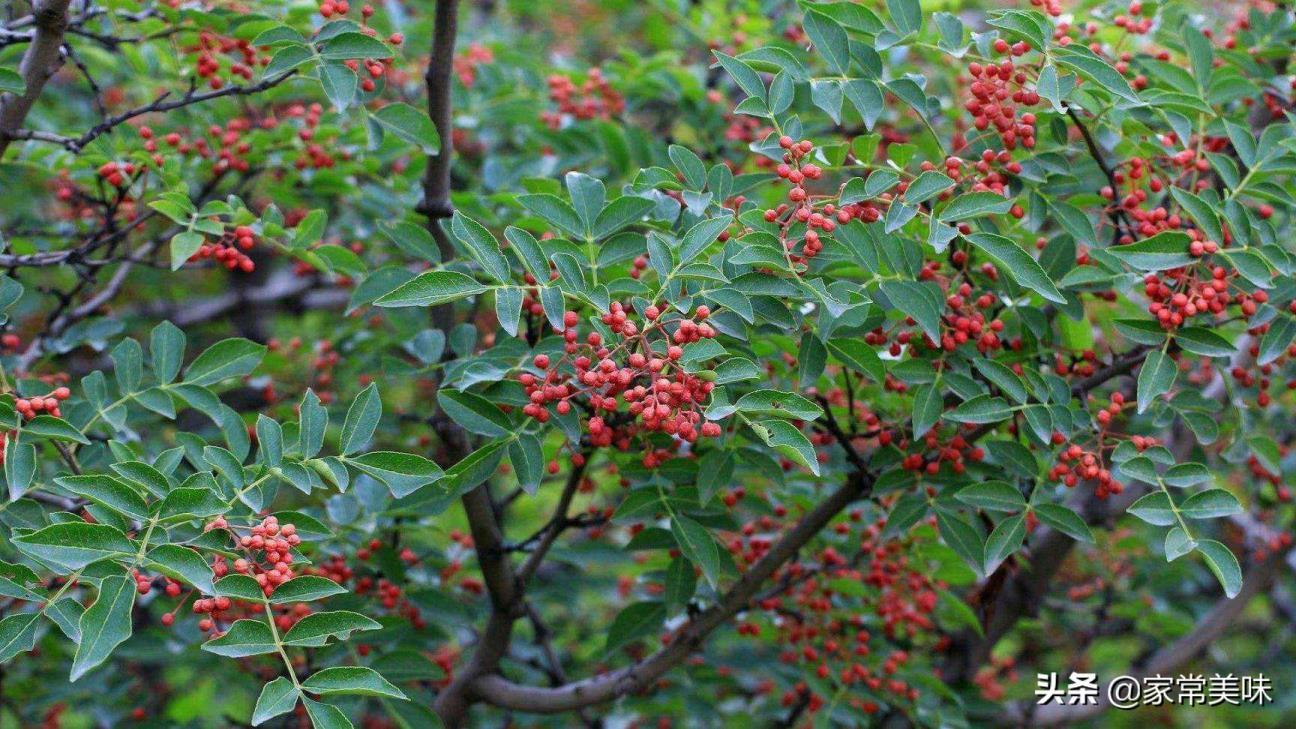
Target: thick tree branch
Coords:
[(39, 62), (501, 692)]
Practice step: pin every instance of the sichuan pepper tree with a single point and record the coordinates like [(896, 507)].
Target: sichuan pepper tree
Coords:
[(715, 362)]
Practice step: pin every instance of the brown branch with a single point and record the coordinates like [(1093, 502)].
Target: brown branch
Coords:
[(556, 525), (436, 182), (39, 62), (1168, 659), (501, 692), (160, 104)]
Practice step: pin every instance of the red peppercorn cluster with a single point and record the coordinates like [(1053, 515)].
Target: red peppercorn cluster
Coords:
[(1077, 463), (1052, 7), (823, 629), (638, 375), (389, 594), (117, 174), (1178, 295), (228, 250), (997, 90), (593, 99), (963, 321), (314, 154), (29, 407), (466, 63), (1132, 23), (988, 174), (990, 679), (931, 451), (209, 65)]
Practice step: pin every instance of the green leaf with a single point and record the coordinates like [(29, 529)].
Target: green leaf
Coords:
[(637, 620), (789, 441), (12, 83), (698, 546), (527, 458), (556, 211), (128, 365), (1210, 504), (315, 629), (701, 236), (1203, 341), (1018, 264), (475, 413), (974, 205), (107, 491), (269, 440), (1201, 212), (325, 716), (474, 469), (1165, 250), (56, 428), (981, 409), (906, 14), (857, 355), (313, 424), (829, 39), (689, 165), (183, 563), (1266, 452), (1184, 475), (1178, 543), (1282, 330), (310, 229), (1086, 63), (746, 77), (1007, 537), (339, 83), (353, 45), (680, 583), (305, 589), (992, 495), (927, 408), (243, 587), (105, 625), (286, 59), (183, 245), (410, 125), (926, 186), (1154, 508), (779, 404), (361, 420), (244, 638), (18, 634), (1156, 377), (228, 358), (1225, 566), (351, 680), (911, 298), (277, 697), (1064, 520), (965, 539), (481, 245), (190, 503), (619, 213), (19, 467), (432, 288), (1003, 377), (404, 473), (73, 545)]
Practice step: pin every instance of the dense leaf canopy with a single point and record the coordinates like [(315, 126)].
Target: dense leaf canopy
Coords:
[(682, 362)]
